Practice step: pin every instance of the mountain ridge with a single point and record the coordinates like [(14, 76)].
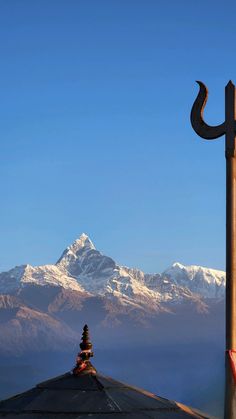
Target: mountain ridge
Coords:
[(41, 306), (83, 268)]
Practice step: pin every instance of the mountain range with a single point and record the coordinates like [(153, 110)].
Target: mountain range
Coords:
[(83, 268), (40, 306)]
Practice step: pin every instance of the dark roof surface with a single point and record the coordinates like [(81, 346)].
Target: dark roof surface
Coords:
[(91, 396), (83, 393)]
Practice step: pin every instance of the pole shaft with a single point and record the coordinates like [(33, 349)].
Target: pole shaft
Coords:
[(230, 253), (230, 282), (230, 393)]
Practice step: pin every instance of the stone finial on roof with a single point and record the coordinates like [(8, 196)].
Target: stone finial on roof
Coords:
[(83, 364)]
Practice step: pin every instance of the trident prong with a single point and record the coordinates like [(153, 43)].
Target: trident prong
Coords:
[(212, 132), (199, 125)]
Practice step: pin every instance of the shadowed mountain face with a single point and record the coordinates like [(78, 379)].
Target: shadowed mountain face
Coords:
[(131, 314)]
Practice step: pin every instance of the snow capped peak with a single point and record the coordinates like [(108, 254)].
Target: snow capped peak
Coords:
[(208, 282), (177, 265), (82, 241), (82, 244), (75, 254)]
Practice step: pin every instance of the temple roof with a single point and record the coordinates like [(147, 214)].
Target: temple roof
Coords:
[(84, 393)]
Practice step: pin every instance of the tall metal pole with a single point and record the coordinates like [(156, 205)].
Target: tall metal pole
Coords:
[(230, 390), (228, 128)]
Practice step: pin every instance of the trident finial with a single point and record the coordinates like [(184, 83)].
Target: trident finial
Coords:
[(212, 132)]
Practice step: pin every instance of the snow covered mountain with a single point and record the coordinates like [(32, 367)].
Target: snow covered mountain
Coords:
[(100, 275), (209, 283), (24, 275), (41, 306), (84, 269)]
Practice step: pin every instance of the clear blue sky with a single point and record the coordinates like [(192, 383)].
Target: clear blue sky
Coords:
[(95, 135)]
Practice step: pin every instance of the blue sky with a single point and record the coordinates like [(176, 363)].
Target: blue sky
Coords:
[(95, 132)]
